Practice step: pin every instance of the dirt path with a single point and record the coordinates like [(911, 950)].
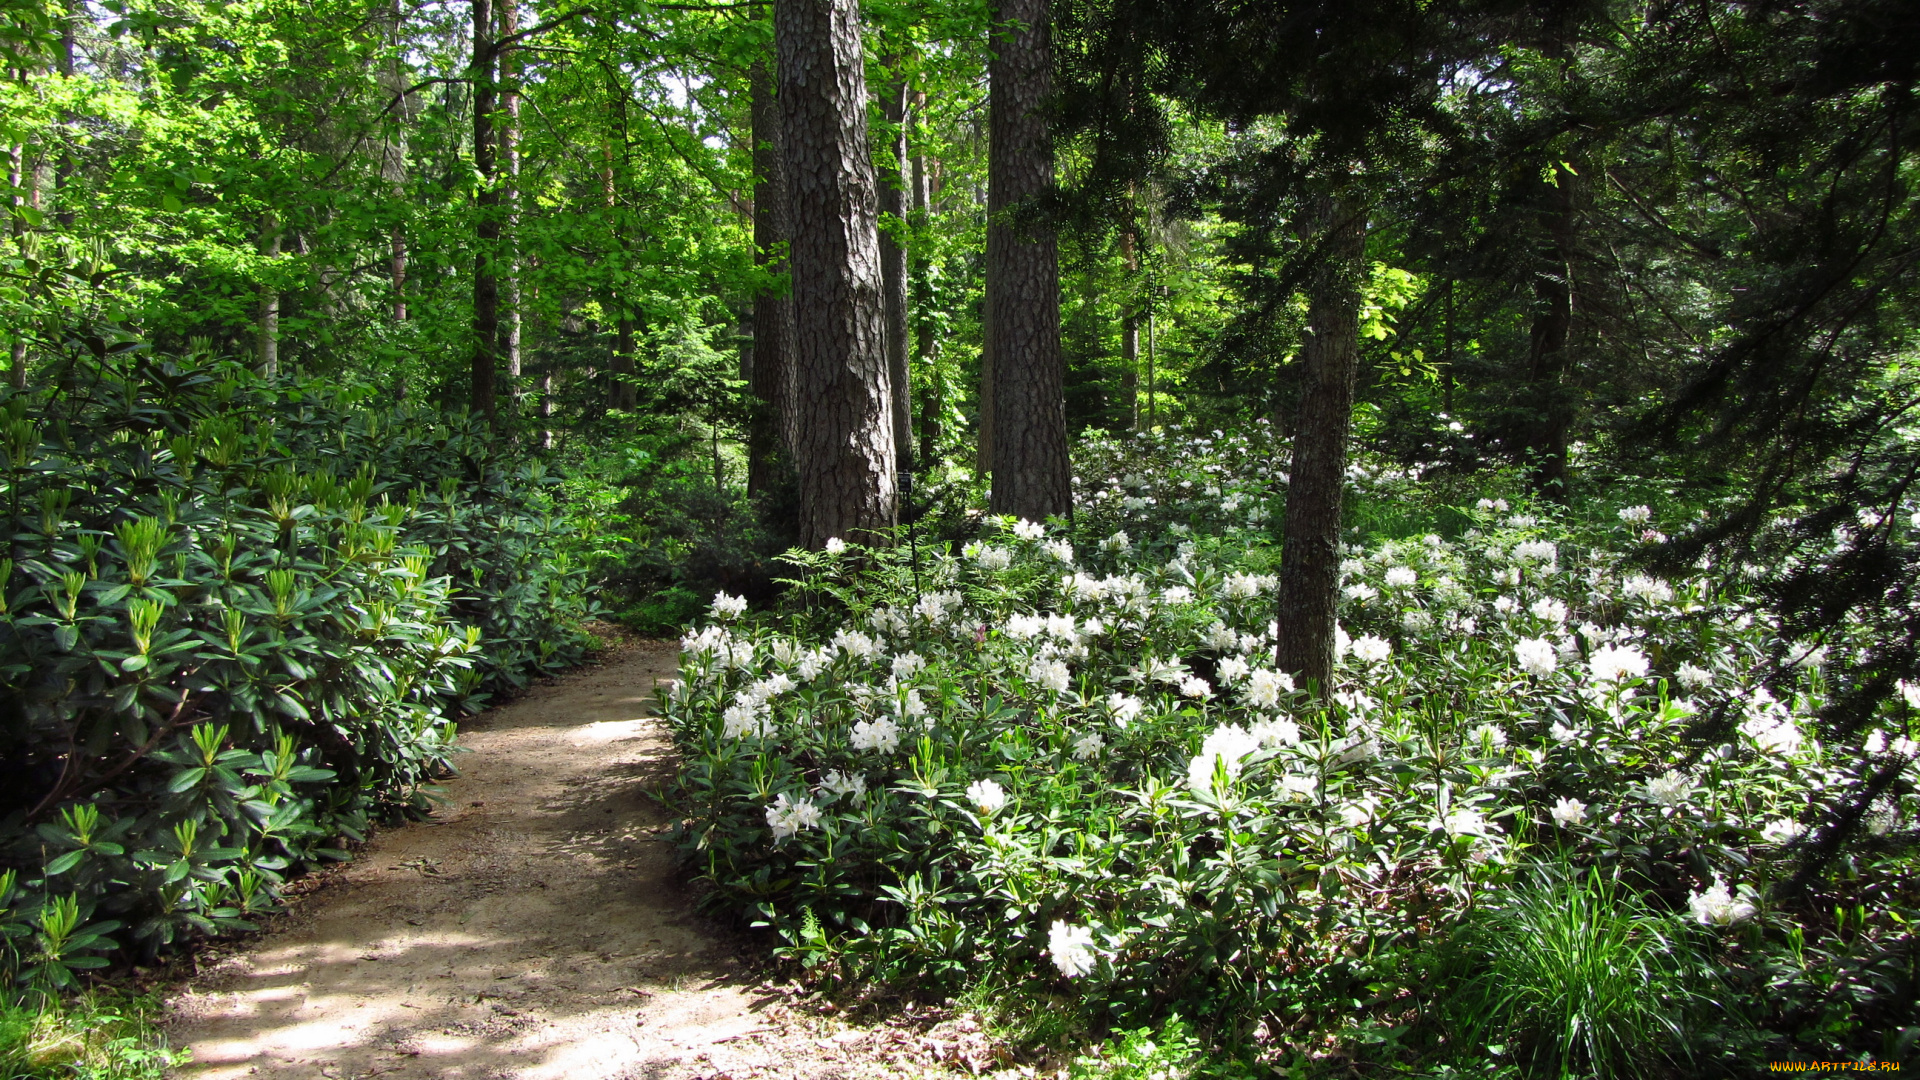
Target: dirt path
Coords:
[(533, 930)]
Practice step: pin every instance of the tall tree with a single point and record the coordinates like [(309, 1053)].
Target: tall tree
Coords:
[(486, 281), (893, 254), (769, 435), (266, 352), (925, 347), (844, 408), (1310, 551), (1032, 477), (510, 76)]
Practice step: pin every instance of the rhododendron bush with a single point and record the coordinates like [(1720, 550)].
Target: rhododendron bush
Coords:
[(1067, 759)]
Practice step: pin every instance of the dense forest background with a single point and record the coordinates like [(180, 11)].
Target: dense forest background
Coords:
[(359, 349)]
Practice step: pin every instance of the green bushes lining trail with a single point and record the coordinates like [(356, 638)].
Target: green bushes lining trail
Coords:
[(238, 620)]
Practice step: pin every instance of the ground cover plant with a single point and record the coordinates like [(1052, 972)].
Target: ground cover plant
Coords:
[(239, 621), (1544, 779)]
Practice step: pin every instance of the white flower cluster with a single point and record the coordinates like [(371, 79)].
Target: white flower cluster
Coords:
[(788, 816)]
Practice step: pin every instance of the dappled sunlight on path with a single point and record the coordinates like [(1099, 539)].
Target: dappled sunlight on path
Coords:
[(533, 929)]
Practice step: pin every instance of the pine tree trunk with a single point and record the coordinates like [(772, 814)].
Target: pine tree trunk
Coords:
[(16, 162), (486, 284), (769, 438), (1549, 363), (1310, 555), (1031, 473), (844, 430), (510, 71), (393, 164), (1130, 333), (925, 348), (266, 350), (893, 265)]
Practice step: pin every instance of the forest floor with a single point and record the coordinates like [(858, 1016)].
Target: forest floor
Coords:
[(534, 928)]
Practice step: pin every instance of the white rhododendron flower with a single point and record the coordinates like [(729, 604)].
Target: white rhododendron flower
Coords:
[(1910, 693), (987, 796), (1276, 732), (837, 784), (1614, 663), (1072, 949), (1670, 789), (1049, 674), (1466, 822), (835, 545), (1400, 577), (1544, 552), (1265, 686), (1569, 812), (1716, 906), (991, 559), (1692, 676), (1487, 735), (1549, 609), (788, 816), (1782, 831), (1650, 589), (1194, 686), (1088, 745), (856, 644), (1025, 627), (1061, 551), (882, 735), (1372, 650), (744, 718), (1232, 669), (728, 607), (1125, 708), (1636, 515), (1027, 530), (907, 665), (1228, 743), (1535, 656)]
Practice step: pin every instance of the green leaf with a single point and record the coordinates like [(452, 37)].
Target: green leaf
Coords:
[(66, 862), (188, 778)]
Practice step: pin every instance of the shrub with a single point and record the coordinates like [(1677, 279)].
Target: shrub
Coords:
[(96, 1037), (237, 619), (1066, 762), (1572, 975)]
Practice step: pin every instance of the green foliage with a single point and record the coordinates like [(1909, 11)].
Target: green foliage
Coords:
[(1172, 1053), (239, 619), (1063, 765), (1572, 975), (95, 1037)]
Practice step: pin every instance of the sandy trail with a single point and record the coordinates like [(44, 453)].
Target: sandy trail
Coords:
[(534, 929)]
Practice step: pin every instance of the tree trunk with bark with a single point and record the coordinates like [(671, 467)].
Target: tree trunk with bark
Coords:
[(1032, 477), (266, 350), (1130, 332), (844, 420), (1310, 552), (926, 349), (1549, 362), (486, 282), (16, 180), (393, 163), (769, 439), (893, 262), (510, 73)]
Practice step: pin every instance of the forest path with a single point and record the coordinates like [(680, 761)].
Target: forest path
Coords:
[(533, 929)]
